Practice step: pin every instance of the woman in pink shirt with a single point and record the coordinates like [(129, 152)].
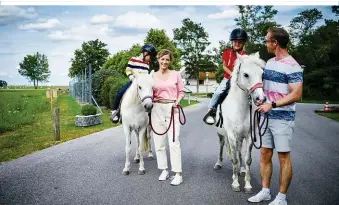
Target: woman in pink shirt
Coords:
[(168, 91)]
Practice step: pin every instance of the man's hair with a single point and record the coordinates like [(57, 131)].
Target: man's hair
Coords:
[(165, 52), (280, 35)]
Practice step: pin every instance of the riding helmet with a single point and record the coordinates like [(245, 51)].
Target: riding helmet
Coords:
[(150, 49), (238, 34)]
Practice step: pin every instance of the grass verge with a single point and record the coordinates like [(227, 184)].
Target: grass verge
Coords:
[(38, 134), (32, 134)]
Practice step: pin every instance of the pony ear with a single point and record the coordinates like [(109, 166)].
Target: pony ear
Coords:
[(257, 54), (152, 73)]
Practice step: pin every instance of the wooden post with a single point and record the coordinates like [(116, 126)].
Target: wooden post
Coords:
[(56, 124), (51, 97)]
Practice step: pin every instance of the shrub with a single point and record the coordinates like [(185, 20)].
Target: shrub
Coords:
[(110, 88), (88, 109), (98, 79), (115, 88)]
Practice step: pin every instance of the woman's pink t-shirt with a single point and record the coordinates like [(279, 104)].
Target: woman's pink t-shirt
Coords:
[(170, 89)]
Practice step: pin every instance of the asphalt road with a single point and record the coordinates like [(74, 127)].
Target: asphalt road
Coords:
[(88, 170)]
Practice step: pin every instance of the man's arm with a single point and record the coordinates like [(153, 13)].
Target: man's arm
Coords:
[(294, 96)]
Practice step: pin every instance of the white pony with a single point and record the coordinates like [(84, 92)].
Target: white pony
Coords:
[(246, 81), (135, 106)]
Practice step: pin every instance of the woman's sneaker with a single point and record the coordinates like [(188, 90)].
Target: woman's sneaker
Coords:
[(176, 180)]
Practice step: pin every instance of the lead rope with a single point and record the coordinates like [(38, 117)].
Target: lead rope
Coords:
[(171, 120), (256, 119)]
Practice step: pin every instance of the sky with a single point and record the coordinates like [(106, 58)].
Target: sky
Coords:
[(57, 31)]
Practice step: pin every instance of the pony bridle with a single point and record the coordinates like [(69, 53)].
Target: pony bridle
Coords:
[(145, 97), (252, 89)]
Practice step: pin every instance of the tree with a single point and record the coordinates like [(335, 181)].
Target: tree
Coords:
[(335, 9), (119, 61), (192, 40), (303, 25), (3, 83), (91, 52), (161, 41), (217, 59), (35, 68), (256, 20)]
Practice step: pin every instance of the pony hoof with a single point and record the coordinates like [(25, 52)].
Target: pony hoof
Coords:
[(248, 190), (216, 167), (136, 160), (125, 172), (141, 172), (236, 189)]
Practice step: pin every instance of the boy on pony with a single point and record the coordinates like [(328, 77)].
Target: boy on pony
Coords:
[(135, 65)]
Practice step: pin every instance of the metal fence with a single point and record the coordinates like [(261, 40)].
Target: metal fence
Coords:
[(80, 87)]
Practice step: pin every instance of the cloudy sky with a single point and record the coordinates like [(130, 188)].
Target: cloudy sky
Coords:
[(57, 31)]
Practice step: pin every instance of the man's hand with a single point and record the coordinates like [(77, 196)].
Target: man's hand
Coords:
[(265, 108)]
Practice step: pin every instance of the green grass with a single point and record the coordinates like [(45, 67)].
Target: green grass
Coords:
[(27, 122), (62, 87), (306, 100), (19, 108), (333, 116), (184, 102), (37, 133)]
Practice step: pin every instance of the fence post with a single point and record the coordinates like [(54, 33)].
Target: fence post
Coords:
[(56, 124), (90, 83)]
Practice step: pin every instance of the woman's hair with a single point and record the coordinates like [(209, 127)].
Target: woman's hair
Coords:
[(165, 52)]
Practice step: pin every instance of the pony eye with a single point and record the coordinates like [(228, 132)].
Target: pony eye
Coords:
[(139, 87), (246, 75)]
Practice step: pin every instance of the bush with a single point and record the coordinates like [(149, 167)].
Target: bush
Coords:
[(98, 79), (115, 88), (110, 88), (88, 109)]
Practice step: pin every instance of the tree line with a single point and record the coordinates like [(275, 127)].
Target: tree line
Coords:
[(313, 47)]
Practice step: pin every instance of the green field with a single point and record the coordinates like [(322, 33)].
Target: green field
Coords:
[(26, 87), (27, 122)]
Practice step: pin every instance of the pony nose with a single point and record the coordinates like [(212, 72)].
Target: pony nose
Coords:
[(263, 100), (148, 106)]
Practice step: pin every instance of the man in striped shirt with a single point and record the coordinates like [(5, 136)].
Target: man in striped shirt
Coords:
[(283, 80), (135, 65)]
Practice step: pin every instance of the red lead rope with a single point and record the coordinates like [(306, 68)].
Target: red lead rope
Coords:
[(171, 121)]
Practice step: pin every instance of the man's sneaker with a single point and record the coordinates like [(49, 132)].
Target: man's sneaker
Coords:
[(261, 196), (176, 180), (278, 201), (164, 175), (114, 116)]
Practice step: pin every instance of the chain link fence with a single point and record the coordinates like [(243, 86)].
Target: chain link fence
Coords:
[(80, 87)]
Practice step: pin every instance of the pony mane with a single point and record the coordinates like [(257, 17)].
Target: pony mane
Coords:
[(130, 96)]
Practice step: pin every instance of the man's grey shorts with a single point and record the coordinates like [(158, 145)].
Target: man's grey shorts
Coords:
[(278, 135)]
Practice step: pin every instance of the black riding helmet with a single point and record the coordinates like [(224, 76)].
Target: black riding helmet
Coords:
[(238, 34), (150, 49)]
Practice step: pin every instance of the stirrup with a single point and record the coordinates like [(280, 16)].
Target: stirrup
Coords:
[(117, 114), (211, 113)]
